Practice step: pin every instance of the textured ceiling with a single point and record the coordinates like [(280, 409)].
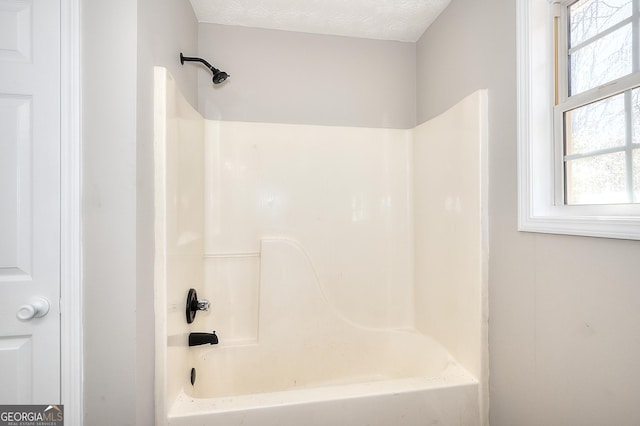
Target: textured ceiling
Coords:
[(402, 20)]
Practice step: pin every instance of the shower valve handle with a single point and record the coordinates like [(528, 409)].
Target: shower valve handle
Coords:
[(202, 305), (194, 305)]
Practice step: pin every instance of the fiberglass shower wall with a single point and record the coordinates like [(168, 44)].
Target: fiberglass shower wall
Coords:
[(342, 193), (392, 221), (179, 228)]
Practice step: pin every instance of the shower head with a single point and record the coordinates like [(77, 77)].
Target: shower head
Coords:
[(218, 76)]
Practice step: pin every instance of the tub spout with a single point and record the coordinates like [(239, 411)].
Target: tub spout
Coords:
[(196, 339)]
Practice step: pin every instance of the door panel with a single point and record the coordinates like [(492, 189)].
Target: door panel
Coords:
[(29, 199), (15, 30), (15, 369), (15, 188)]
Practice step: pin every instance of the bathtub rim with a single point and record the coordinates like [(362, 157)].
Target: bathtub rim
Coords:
[(187, 406)]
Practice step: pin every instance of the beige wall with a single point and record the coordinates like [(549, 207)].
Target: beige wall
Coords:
[(564, 321), (300, 78), (121, 41)]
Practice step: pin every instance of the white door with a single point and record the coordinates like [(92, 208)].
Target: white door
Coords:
[(29, 201)]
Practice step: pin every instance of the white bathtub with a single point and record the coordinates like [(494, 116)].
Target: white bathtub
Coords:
[(450, 398), (324, 316), (311, 366)]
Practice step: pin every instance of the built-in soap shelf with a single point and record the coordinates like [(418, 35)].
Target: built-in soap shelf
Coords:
[(231, 255), (232, 282)]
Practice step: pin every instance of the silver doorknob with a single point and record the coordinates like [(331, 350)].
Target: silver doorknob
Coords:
[(36, 309)]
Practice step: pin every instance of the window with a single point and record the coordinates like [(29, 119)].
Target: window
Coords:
[(597, 118), (579, 117)]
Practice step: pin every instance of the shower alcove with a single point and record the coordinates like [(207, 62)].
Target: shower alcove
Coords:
[(346, 269)]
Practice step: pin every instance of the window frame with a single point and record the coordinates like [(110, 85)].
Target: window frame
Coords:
[(540, 173)]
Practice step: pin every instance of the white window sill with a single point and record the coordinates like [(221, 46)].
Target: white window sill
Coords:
[(590, 226)]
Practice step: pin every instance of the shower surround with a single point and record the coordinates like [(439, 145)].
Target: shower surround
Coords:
[(346, 268)]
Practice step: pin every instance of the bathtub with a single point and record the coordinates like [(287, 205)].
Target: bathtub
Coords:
[(309, 364), (449, 398), (360, 316)]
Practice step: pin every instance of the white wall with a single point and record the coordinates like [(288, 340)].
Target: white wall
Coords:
[(121, 41), (564, 322)]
